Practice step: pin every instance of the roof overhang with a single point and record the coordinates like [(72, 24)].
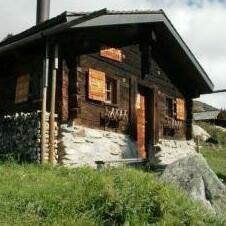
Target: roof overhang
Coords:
[(117, 19), (103, 18)]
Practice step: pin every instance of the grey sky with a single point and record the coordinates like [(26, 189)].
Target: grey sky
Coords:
[(201, 23)]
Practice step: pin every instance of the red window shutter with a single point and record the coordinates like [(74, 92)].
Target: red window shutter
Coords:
[(22, 88), (112, 53), (181, 114), (96, 87)]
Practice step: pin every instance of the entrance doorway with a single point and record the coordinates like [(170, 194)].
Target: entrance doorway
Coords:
[(144, 110)]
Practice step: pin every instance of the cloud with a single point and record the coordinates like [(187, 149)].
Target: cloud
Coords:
[(201, 24), (202, 27)]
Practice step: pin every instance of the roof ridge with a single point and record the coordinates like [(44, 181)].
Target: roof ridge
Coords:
[(80, 13), (137, 11)]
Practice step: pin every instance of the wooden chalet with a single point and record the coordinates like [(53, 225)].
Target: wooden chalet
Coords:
[(129, 72)]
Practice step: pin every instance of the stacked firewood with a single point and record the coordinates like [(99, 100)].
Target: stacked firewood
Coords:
[(20, 137), (47, 140)]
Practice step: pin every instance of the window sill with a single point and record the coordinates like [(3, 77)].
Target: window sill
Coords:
[(111, 105)]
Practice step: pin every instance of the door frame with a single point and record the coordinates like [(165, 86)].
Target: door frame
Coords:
[(148, 93)]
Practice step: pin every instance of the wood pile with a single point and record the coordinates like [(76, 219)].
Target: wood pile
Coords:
[(47, 143), (20, 137)]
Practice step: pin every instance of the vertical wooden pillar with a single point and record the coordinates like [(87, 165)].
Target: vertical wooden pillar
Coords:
[(52, 107), (72, 78), (189, 107), (44, 101), (132, 104), (64, 93), (156, 116)]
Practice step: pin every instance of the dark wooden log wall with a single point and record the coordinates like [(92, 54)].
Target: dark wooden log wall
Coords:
[(166, 89), (12, 67), (92, 111), (129, 74), (74, 104)]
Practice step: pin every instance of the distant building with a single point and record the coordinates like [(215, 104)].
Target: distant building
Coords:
[(215, 117)]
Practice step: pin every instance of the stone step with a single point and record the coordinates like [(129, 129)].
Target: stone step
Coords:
[(101, 163)]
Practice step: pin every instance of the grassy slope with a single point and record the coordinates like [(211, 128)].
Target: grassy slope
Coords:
[(217, 135), (215, 155), (217, 160), (200, 107), (32, 195)]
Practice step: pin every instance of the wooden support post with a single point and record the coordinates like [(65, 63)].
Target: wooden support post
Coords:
[(52, 107), (156, 116), (198, 143), (44, 100), (73, 102), (189, 106), (64, 92), (132, 104)]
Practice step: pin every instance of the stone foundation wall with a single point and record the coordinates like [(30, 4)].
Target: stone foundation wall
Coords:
[(83, 146), (169, 151)]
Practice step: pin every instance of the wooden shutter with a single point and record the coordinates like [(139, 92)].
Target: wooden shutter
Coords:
[(180, 109), (96, 85), (22, 88), (112, 53)]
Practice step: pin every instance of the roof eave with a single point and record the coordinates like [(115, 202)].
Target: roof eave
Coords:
[(160, 16)]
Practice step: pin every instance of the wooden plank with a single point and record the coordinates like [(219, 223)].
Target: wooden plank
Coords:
[(180, 109), (141, 135), (145, 57), (65, 94), (22, 88), (156, 118), (112, 53), (72, 66), (189, 107), (132, 104)]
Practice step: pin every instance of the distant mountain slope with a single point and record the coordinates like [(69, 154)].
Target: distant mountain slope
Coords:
[(201, 107)]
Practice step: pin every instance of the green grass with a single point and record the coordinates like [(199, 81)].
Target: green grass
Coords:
[(216, 159), (215, 154), (41, 195)]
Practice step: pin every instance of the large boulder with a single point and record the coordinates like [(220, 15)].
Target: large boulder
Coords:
[(222, 129), (193, 174), (200, 132), (169, 151)]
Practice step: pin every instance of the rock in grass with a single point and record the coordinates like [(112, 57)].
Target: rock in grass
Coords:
[(199, 131), (193, 174)]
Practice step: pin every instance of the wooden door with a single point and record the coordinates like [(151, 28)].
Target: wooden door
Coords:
[(141, 124)]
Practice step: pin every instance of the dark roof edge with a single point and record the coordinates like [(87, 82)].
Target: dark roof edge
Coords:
[(34, 29), (44, 33), (50, 30)]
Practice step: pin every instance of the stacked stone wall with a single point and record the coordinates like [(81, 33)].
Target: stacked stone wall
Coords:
[(80, 145)]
